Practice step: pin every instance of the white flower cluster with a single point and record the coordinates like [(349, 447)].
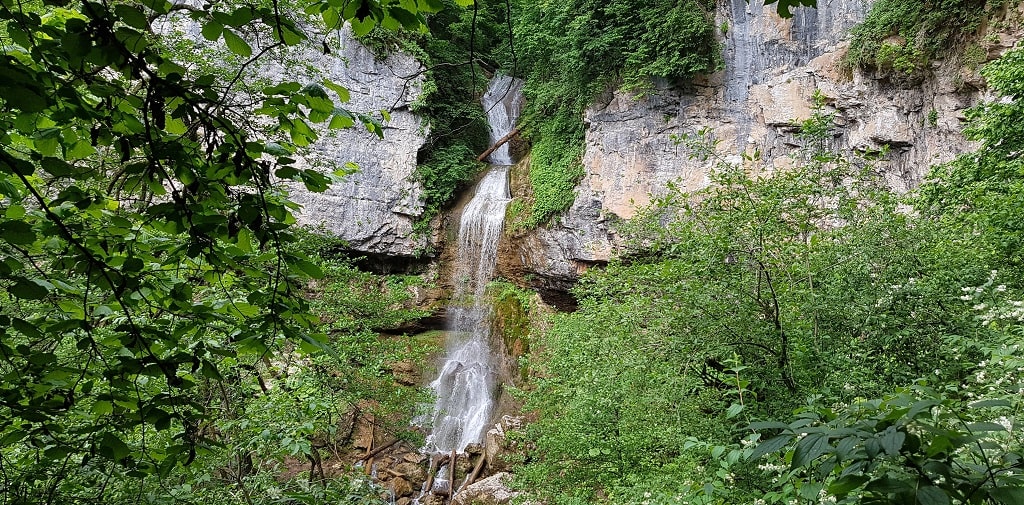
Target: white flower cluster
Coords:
[(826, 499), (993, 311), (772, 467)]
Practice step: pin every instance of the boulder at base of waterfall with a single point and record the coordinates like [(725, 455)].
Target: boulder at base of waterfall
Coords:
[(411, 471), (496, 444), (415, 457), (432, 499), (401, 487), (493, 490)]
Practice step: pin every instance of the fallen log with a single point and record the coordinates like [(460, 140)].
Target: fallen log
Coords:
[(429, 486), (451, 478), (378, 450), (476, 469), (502, 141)]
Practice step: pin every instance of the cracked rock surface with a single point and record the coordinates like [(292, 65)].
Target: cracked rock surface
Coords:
[(773, 68)]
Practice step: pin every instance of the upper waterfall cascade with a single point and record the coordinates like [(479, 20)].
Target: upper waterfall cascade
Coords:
[(465, 388)]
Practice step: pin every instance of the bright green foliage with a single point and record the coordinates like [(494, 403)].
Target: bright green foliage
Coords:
[(734, 304), (983, 191), (144, 264), (904, 36), (917, 445), (953, 435), (785, 7), (571, 51)]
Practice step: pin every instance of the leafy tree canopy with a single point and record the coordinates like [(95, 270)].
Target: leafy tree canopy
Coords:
[(145, 253)]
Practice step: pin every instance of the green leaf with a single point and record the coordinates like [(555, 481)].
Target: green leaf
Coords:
[(132, 16), (31, 289), (291, 35), (15, 211), (985, 427), (994, 402), (209, 370), (17, 232), (810, 490), (212, 30), (275, 149), (309, 268), (47, 141), (1007, 495), (431, 6), (12, 437), (809, 448), (887, 485), (769, 446), (23, 98), (241, 16), (408, 20), (362, 27), (892, 440), (733, 410), (844, 485), (317, 98), (331, 18), (342, 91), (101, 407), (940, 445), (931, 495), (340, 122), (236, 44), (56, 167), (113, 447)]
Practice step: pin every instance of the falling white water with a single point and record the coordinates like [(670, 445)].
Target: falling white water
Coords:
[(466, 386), (502, 102)]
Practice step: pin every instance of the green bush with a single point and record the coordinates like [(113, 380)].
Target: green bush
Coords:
[(741, 303)]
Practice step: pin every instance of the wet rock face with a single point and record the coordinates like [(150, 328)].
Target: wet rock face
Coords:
[(373, 210), (772, 69)]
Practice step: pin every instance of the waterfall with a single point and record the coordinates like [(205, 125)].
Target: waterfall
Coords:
[(465, 388)]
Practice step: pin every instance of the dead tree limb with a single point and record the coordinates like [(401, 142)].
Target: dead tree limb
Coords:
[(378, 450), (476, 469), (502, 141)]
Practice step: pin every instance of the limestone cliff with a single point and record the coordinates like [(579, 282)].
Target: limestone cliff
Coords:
[(373, 210), (772, 68)]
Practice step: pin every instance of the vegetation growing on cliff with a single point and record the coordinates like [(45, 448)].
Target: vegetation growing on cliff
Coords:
[(460, 52), (904, 36), (801, 337), (571, 51)]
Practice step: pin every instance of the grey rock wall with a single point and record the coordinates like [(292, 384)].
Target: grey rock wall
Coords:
[(374, 209), (772, 69)]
